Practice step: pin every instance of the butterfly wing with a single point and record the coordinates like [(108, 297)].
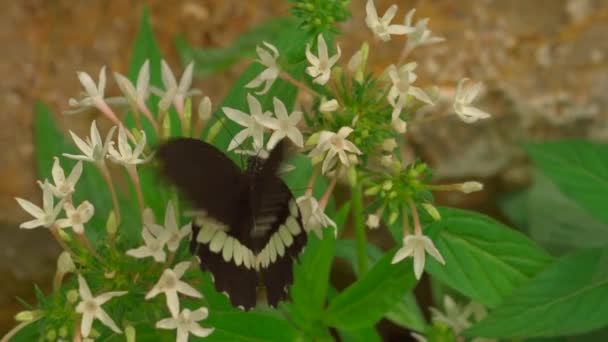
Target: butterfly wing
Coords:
[(278, 236), (218, 189)]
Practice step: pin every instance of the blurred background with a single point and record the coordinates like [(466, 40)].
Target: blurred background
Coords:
[(544, 64)]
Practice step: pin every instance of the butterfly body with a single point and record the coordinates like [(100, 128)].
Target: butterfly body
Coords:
[(247, 228)]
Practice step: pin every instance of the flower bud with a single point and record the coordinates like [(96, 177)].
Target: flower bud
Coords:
[(399, 125), (389, 144), (166, 130), (51, 335), (387, 160), (468, 187), (65, 264), (392, 218), (27, 315), (373, 221), (204, 109), (432, 211), (187, 120), (72, 296), (328, 106), (130, 333), (63, 331), (111, 225)]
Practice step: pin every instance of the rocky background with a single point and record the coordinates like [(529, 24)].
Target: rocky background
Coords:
[(544, 63)]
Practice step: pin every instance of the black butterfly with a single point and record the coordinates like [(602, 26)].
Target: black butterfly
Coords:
[(248, 228)]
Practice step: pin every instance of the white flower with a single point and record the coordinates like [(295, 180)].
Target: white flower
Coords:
[(313, 217), (94, 149), (64, 187), (464, 97), (373, 221), (419, 34), (125, 155), (402, 87), (175, 92), (285, 125), (253, 127), (154, 244), (417, 246), (93, 95), (170, 284), (336, 145), (382, 27), (172, 232), (320, 68), (185, 323), (90, 308), (136, 94), (272, 71), (328, 106), (77, 217), (45, 216), (456, 316), (387, 160)]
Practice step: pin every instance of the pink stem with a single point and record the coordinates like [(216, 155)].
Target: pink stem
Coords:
[(146, 111), (311, 182), (132, 171), (330, 190), (106, 176), (417, 227)]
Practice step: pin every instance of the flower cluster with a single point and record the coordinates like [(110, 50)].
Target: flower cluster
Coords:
[(352, 133)]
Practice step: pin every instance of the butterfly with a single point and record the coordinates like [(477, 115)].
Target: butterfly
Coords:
[(247, 227)]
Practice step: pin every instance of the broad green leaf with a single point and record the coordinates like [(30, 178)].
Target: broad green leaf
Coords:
[(407, 314), (249, 326), (210, 60), (578, 168), (485, 260), (573, 228), (367, 300), (566, 299), (369, 334)]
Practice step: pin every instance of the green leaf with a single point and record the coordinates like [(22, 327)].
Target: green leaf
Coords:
[(249, 326), (347, 249), (368, 299), (210, 60), (145, 48), (573, 228), (567, 298), (578, 168), (407, 314), (369, 334), (485, 260)]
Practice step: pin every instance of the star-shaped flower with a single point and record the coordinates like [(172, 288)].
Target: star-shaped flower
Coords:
[(373, 221), (284, 125), (176, 93), (336, 145), (136, 94), (90, 308), (251, 122), (419, 33), (64, 187), (382, 27), (402, 88), (45, 216), (313, 217), (94, 149), (154, 244), (416, 246), (125, 155), (185, 323), (462, 102), (173, 233), (320, 68), (272, 71), (77, 217), (170, 284), (93, 96)]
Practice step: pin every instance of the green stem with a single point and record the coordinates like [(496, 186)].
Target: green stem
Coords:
[(359, 222)]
